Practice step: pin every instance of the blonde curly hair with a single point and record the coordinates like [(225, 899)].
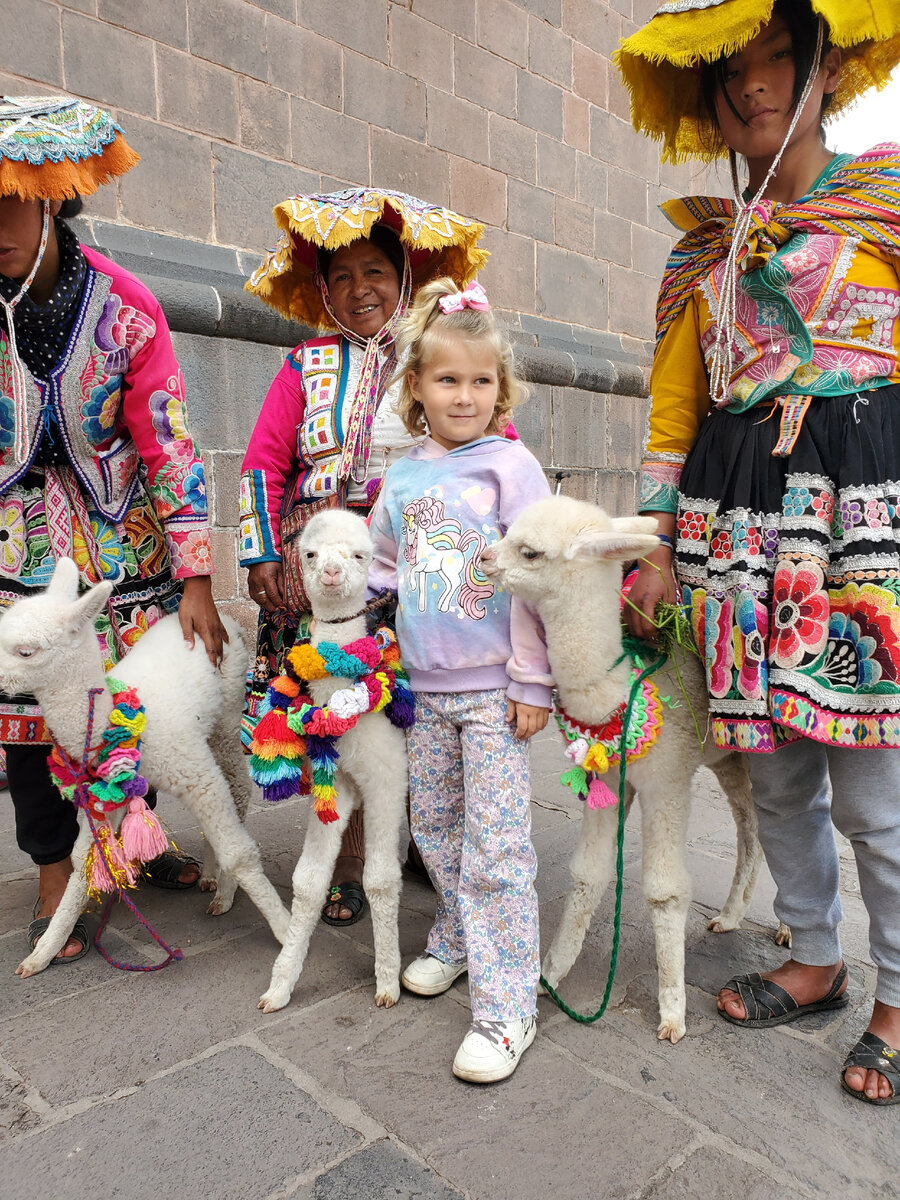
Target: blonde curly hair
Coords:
[(426, 327)]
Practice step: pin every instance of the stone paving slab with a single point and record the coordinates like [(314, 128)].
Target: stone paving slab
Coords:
[(398, 1062), (178, 1126), (379, 1172)]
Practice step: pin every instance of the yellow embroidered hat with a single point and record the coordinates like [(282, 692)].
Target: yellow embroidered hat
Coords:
[(437, 240), (660, 63), (52, 147)]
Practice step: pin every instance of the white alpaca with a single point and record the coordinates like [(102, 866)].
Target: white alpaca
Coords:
[(564, 557), (336, 550), (190, 745)]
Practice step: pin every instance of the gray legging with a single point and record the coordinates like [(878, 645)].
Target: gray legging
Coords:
[(790, 789)]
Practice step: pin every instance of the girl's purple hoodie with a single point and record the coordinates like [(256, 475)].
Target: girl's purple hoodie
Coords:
[(438, 509)]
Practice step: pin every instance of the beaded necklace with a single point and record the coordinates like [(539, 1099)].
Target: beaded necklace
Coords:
[(292, 727), (104, 785)]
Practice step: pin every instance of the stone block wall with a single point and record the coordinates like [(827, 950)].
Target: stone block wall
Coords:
[(507, 110)]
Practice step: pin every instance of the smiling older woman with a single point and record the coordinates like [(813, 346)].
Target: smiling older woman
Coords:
[(347, 262)]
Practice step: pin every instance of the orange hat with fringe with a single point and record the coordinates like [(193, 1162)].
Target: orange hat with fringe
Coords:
[(52, 147)]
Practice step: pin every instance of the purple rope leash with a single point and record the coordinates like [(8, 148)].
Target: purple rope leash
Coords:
[(81, 800)]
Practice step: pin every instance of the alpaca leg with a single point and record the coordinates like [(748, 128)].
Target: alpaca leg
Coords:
[(385, 809), (590, 868), (310, 882), (63, 920), (229, 754), (734, 778), (200, 784), (667, 887)]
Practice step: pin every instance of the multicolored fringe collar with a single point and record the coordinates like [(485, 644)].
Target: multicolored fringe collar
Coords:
[(592, 748), (292, 727), (107, 783)]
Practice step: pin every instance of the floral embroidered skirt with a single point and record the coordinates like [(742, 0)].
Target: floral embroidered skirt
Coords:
[(46, 516), (791, 571)]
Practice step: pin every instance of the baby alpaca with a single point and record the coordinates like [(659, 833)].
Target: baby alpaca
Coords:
[(189, 747), (564, 557), (336, 551)]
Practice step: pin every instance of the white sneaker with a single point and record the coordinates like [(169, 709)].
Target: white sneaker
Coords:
[(428, 976), (491, 1050)]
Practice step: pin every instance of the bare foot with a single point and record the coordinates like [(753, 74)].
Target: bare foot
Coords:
[(885, 1024), (806, 984), (53, 880), (347, 869)]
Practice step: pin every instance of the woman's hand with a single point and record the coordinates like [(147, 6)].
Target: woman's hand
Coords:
[(526, 719), (198, 616), (265, 581), (655, 581)]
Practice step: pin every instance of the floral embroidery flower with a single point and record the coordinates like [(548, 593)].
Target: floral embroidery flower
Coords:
[(865, 620), (194, 486), (110, 551), (713, 634), (752, 621), (141, 621), (796, 501), (12, 535), (98, 412), (167, 414), (192, 551), (800, 614)]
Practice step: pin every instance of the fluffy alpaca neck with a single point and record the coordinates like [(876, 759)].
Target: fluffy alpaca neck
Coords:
[(65, 704), (338, 631), (584, 640)]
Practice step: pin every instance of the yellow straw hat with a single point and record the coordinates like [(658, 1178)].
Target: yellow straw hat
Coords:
[(660, 64), (52, 147), (438, 241)]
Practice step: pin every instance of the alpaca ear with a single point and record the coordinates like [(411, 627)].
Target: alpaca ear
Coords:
[(635, 524), (64, 581), (602, 545), (88, 607)]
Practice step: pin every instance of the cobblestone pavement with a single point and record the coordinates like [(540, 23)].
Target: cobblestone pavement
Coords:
[(115, 1084)]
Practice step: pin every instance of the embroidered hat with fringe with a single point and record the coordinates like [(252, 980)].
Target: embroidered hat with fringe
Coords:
[(437, 240), (660, 63), (54, 147)]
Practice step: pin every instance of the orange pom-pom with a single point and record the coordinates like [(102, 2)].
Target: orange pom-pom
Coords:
[(286, 686)]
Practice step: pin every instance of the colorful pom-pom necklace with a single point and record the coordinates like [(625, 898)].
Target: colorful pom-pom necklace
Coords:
[(291, 727), (106, 783), (593, 748)]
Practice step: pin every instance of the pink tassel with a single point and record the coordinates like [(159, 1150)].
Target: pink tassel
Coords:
[(599, 795), (126, 872), (143, 838), (101, 879)]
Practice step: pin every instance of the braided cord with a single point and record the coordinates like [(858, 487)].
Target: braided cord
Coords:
[(582, 1018)]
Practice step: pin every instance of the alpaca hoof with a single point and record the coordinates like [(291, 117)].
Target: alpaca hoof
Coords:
[(387, 997), (670, 1031), (219, 906), (208, 883), (274, 999), (783, 935), (25, 971)]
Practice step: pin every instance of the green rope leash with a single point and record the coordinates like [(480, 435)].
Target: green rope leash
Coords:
[(620, 842)]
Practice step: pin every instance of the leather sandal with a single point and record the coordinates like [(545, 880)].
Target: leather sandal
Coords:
[(766, 1003), (38, 928), (872, 1054), (349, 895), (163, 871)]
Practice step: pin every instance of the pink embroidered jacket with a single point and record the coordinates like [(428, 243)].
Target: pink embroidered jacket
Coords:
[(118, 399)]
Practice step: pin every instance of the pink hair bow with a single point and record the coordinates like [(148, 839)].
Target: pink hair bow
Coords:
[(474, 296)]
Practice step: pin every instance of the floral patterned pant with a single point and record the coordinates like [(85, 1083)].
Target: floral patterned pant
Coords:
[(470, 817)]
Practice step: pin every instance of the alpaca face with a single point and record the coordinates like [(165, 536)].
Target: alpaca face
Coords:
[(336, 551), (561, 546), (41, 634)]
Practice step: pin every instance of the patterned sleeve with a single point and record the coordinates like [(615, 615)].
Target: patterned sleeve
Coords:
[(154, 409), (679, 401), (270, 458)]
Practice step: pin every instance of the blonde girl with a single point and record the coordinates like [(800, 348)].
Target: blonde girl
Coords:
[(477, 664)]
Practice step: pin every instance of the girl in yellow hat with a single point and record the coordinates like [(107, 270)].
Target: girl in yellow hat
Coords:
[(773, 463)]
